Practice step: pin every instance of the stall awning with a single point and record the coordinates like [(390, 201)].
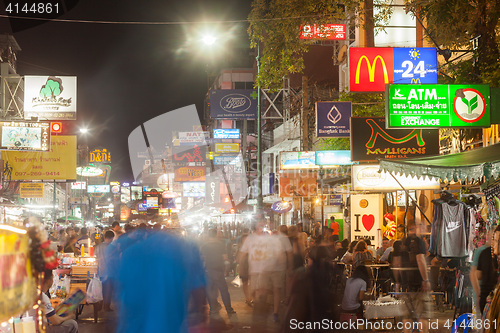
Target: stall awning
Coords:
[(472, 164)]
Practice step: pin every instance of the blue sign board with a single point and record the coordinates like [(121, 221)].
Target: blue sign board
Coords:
[(233, 104), (332, 119), (227, 160), (226, 133), (333, 157), (415, 65)]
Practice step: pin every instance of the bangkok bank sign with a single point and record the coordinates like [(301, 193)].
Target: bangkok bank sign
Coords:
[(371, 68)]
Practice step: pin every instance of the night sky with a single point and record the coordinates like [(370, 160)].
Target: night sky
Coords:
[(127, 73)]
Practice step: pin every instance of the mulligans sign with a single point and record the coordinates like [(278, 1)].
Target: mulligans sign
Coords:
[(437, 105), (370, 140)]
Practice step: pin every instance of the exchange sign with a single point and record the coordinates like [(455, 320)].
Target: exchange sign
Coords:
[(371, 68), (434, 106)]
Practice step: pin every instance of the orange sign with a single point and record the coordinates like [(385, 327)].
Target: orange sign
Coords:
[(190, 174), (298, 184), (371, 68)]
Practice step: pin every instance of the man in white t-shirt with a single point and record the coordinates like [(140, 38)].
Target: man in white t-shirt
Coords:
[(267, 266), (58, 324)]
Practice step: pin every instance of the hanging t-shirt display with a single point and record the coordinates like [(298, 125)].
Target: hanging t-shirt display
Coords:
[(453, 240)]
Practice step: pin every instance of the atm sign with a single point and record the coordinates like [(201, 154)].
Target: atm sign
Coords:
[(372, 68)]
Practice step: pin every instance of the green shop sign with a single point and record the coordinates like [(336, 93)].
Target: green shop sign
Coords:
[(437, 105)]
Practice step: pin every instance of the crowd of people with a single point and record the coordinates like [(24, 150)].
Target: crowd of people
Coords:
[(147, 271)]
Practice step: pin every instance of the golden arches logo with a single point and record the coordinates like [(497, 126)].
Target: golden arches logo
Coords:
[(415, 81), (371, 69)]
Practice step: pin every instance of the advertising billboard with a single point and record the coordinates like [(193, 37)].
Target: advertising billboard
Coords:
[(368, 178), (192, 138), (50, 97), (370, 141), (58, 163), (78, 185), (190, 174), (333, 157), (332, 119), (31, 190), (227, 148), (371, 68), (323, 31), (293, 184), (226, 133), (195, 156), (437, 105), (233, 103), (20, 135), (193, 189), (98, 189), (290, 160)]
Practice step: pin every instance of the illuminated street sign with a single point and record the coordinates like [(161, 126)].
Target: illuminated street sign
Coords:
[(371, 68), (433, 106)]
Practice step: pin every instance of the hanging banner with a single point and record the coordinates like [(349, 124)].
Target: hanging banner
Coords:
[(366, 216), (332, 119), (58, 163), (17, 287), (371, 68), (31, 190), (370, 141), (50, 97), (233, 104), (212, 190), (437, 106)]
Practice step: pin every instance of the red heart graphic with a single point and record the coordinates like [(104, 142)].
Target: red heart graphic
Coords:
[(368, 221)]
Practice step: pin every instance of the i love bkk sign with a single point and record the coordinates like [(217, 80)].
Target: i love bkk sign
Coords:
[(435, 105), (371, 68)]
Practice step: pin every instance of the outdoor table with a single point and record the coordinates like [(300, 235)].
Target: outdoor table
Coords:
[(380, 310), (375, 268)]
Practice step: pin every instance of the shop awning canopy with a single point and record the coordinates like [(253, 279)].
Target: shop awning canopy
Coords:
[(468, 165)]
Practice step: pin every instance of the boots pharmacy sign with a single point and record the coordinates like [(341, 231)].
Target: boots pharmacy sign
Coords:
[(434, 106), (50, 97), (371, 68)]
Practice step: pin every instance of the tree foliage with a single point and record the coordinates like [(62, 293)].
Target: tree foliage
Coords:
[(275, 27), (453, 24)]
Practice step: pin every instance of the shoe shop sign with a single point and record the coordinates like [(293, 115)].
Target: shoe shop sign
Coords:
[(437, 105)]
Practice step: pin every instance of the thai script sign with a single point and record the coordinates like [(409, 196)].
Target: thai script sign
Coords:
[(437, 105), (58, 163), (373, 67), (31, 190), (332, 119), (323, 31), (233, 104), (227, 147), (50, 97), (189, 174)]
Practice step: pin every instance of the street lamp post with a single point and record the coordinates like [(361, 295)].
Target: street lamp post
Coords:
[(260, 199)]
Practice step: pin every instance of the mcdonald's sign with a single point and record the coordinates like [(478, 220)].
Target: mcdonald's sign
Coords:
[(372, 68)]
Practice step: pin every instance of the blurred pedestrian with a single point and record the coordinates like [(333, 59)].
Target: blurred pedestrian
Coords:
[(107, 286), (158, 276), (117, 229)]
